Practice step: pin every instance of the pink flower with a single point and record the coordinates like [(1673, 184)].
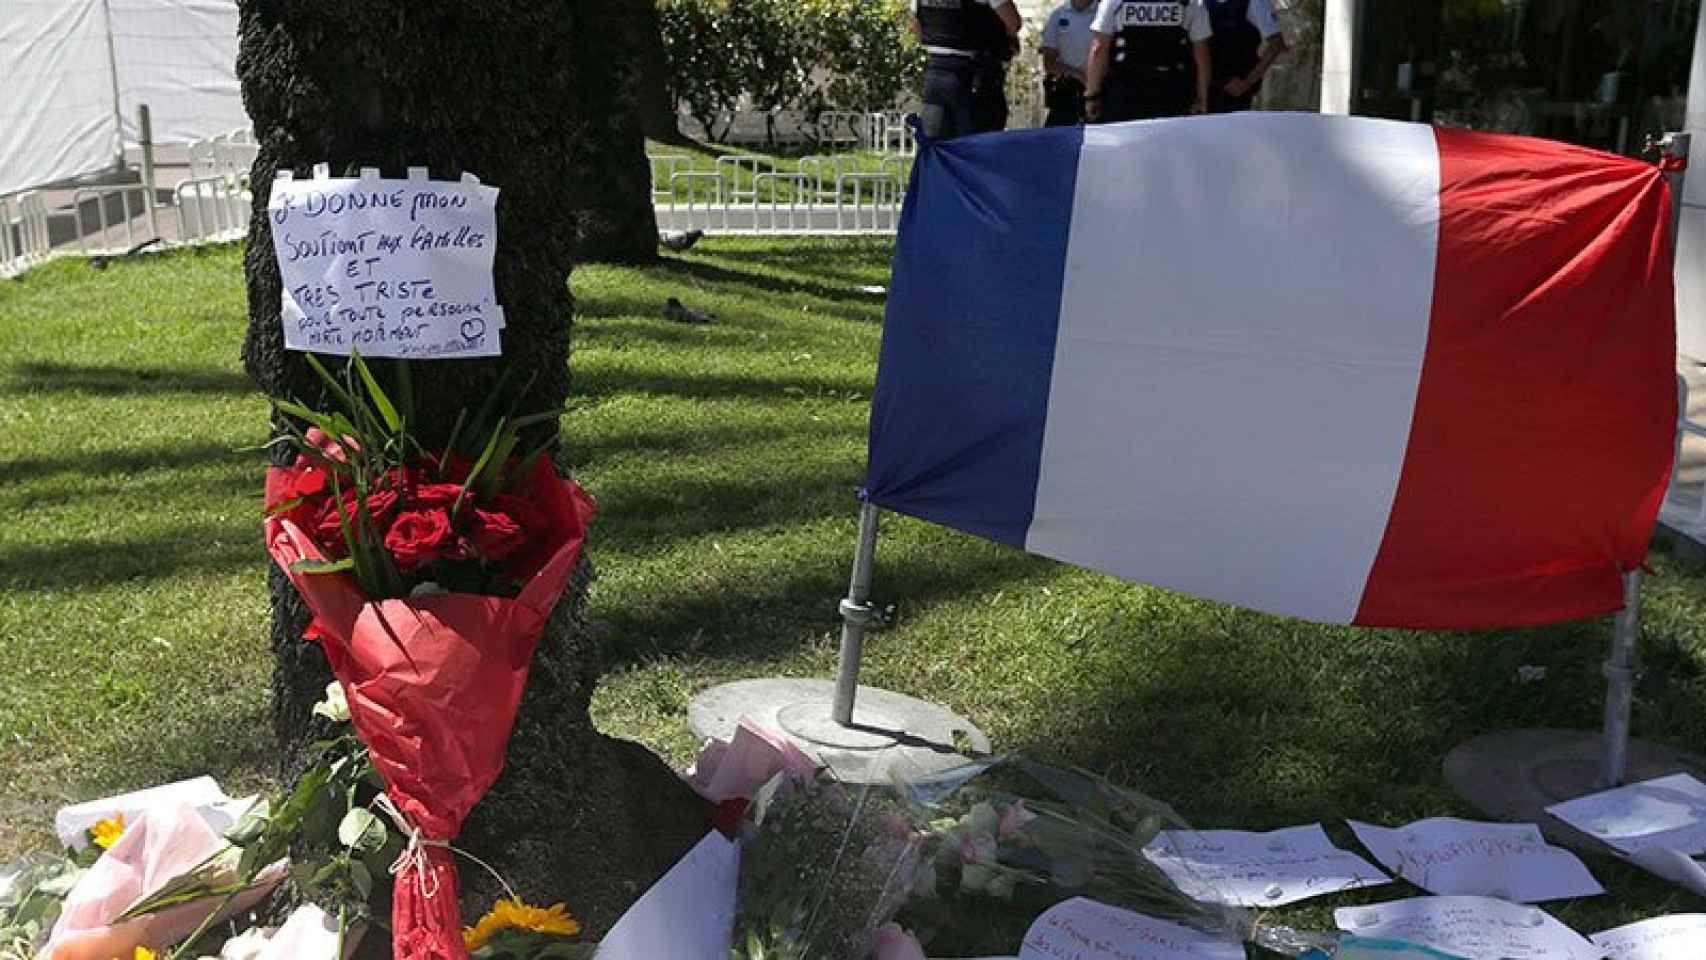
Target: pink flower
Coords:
[(1013, 819), (894, 942), (977, 849)]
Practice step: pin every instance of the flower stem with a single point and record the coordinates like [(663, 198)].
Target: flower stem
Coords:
[(343, 928), (206, 924)]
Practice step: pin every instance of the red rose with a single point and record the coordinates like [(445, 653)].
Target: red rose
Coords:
[(419, 537), (328, 531), (306, 479), (495, 535), (727, 815), (434, 496)]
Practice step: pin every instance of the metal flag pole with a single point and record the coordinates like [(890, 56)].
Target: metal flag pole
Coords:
[(149, 202), (888, 735), (1516, 774), (857, 614)]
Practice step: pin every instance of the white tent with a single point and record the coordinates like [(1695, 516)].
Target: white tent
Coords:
[(73, 72)]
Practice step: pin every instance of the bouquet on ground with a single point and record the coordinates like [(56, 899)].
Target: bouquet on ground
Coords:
[(1014, 837), (430, 574)]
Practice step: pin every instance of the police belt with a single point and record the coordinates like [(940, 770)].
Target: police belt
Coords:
[(936, 58)]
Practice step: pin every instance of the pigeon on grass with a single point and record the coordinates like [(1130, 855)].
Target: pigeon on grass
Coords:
[(678, 241), (674, 310)]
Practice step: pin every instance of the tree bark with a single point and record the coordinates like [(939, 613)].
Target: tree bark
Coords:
[(616, 222), (509, 91)]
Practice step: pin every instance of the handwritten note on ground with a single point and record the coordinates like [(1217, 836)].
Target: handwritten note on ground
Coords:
[(1669, 812), (1511, 861), (689, 914), (1476, 928), (1248, 869), (1083, 929), (392, 268), (1679, 937)]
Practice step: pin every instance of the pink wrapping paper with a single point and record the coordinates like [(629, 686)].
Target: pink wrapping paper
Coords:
[(735, 768), (163, 843)]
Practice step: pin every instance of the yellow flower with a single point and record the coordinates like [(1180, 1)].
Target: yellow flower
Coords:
[(106, 832), (515, 915), (142, 953)]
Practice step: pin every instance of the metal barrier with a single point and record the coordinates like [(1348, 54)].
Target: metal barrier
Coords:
[(780, 203), (212, 209), (749, 163), (23, 232), (132, 203)]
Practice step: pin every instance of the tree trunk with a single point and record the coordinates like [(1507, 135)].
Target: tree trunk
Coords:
[(613, 185), (658, 115), (512, 92)]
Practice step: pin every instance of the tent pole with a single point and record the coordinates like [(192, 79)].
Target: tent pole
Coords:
[(145, 124), (856, 615), (112, 69)]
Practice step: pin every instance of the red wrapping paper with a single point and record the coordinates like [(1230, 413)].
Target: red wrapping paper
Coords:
[(433, 684)]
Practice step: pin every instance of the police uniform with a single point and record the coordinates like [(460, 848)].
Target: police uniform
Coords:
[(1240, 29), (1067, 32), (1151, 64), (965, 72)]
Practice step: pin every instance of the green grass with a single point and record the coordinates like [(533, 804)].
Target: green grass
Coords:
[(724, 458)]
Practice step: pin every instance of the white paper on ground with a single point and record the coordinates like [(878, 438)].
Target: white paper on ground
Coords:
[(393, 268), (1678, 937), (1268, 869), (1672, 865), (73, 822), (689, 914), (1451, 857), (1669, 812), (1475, 928), (1084, 929), (308, 934)]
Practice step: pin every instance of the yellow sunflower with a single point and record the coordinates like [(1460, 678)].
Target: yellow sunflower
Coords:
[(106, 832), (515, 915), (142, 953)]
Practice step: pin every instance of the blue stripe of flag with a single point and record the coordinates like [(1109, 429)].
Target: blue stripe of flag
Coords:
[(968, 342)]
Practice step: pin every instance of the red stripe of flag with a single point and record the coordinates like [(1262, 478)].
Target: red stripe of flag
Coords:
[(1542, 437)]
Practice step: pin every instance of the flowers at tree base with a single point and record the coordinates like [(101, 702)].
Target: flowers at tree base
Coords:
[(336, 705), (106, 832), (516, 915)]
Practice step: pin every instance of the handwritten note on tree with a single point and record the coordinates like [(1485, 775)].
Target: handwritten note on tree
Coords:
[(1083, 929), (392, 268)]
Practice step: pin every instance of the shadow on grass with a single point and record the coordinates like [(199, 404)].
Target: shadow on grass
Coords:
[(105, 381), (608, 382), (126, 462), (835, 290), (96, 562)]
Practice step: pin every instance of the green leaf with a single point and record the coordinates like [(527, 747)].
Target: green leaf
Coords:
[(344, 396), (405, 393), (319, 567), (361, 831), (360, 878), (387, 411), (479, 465)]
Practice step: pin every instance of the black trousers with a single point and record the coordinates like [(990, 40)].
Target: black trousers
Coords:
[(963, 96), (1065, 99), (1138, 94)]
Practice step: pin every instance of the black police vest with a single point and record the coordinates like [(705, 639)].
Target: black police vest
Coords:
[(1236, 45), (963, 25), (1150, 38)]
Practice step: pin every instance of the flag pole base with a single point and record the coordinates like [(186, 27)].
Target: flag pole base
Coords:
[(892, 735), (1513, 775)]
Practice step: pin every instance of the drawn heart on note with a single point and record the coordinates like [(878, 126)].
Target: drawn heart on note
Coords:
[(473, 329)]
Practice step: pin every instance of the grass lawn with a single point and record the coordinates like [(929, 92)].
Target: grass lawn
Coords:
[(724, 457)]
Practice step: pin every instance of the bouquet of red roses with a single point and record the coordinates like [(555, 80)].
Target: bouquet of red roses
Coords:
[(430, 575)]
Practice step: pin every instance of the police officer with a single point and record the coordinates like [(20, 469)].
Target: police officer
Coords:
[(1148, 58), (1066, 52), (968, 44), (1246, 42)]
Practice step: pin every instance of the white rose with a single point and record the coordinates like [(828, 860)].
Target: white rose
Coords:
[(336, 706)]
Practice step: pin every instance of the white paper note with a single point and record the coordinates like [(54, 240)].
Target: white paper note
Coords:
[(1083, 929), (689, 914), (1679, 937), (1269, 869), (393, 268), (1510, 861), (1475, 928), (1669, 812)]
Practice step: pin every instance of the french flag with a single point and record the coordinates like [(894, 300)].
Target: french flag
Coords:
[(1338, 368)]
